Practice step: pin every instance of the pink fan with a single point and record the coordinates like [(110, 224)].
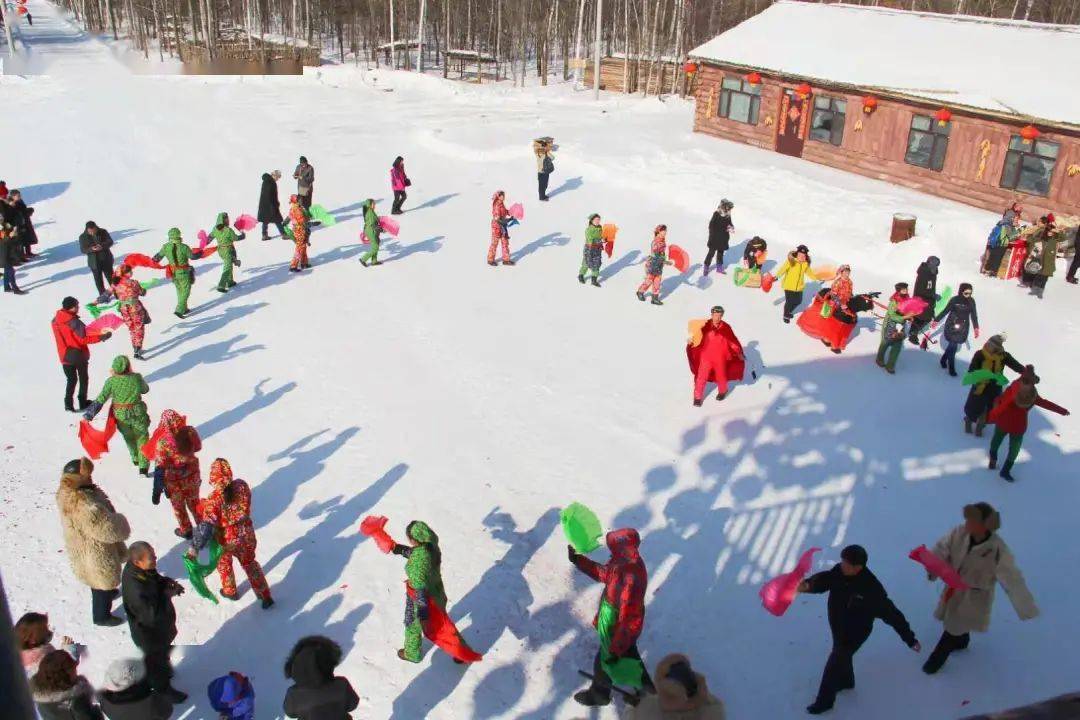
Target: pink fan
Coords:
[(389, 224), (245, 222), (911, 306), (108, 321), (778, 594), (938, 568), (203, 240), (517, 211)]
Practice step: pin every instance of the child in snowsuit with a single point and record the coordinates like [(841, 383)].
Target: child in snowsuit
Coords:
[(225, 236), (982, 395), (178, 256), (591, 255), (500, 232), (226, 514), (232, 697), (654, 266), (126, 388), (892, 330), (372, 229), (300, 219), (1010, 416), (754, 253), (720, 227), (127, 291), (621, 615), (176, 469)]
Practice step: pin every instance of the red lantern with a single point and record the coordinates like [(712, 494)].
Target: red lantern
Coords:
[(1029, 133), (943, 116), (869, 104), (690, 68), (754, 78), (803, 90)]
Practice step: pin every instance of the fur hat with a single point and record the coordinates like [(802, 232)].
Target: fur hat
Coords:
[(984, 513), (679, 688), (122, 674), (995, 344)]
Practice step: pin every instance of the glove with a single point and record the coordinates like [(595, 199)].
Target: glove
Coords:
[(572, 553), (106, 335), (976, 333), (241, 236), (236, 262), (92, 411)]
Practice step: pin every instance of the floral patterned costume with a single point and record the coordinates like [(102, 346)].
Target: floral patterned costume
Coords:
[(499, 233), (299, 219), (654, 267), (181, 470), (128, 292)]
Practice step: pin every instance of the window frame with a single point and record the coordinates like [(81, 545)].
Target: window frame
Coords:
[(750, 91), (939, 135), (1017, 151), (836, 134)]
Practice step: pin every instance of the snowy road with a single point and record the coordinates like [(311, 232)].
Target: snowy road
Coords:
[(483, 399)]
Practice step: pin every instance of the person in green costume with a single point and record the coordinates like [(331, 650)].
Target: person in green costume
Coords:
[(371, 231), (225, 236), (892, 331), (178, 256), (591, 256), (423, 570), (126, 388)]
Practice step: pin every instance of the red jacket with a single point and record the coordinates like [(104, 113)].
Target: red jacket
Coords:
[(72, 342), (1010, 417), (722, 348), (625, 580)]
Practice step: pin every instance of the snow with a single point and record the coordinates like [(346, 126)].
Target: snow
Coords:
[(952, 59), (483, 399)]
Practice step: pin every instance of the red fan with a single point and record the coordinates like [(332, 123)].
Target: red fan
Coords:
[(767, 282), (678, 256)]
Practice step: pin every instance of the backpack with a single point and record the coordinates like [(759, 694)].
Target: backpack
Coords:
[(549, 165), (993, 240)]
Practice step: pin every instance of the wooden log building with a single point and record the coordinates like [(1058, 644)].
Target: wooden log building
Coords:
[(956, 106), (619, 73)]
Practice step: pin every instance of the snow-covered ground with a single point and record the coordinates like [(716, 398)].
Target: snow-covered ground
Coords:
[(484, 399)]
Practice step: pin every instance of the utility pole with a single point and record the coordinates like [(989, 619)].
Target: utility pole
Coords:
[(393, 48), (420, 35), (596, 50), (578, 61)]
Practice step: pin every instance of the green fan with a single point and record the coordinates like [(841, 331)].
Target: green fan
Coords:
[(198, 572), (581, 527), (319, 214)]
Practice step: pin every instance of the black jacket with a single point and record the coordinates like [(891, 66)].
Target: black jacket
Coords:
[(75, 703), (961, 313), (719, 231), (926, 283), (21, 220), (269, 207), (149, 608), (854, 603), (100, 259), (138, 702), (316, 693)]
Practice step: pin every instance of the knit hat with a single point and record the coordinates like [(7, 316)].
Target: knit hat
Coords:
[(69, 303), (120, 364), (174, 233), (122, 674), (983, 513)]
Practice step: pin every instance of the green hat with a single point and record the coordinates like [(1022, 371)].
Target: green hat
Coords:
[(120, 364), (220, 219), (174, 233), (419, 531)]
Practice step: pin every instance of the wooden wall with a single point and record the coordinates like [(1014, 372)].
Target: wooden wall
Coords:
[(611, 75), (877, 148)]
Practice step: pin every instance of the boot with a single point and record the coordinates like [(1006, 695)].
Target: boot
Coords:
[(509, 262), (362, 262), (595, 282), (401, 656), (592, 698), (1006, 473), (267, 602), (145, 472), (967, 426), (697, 403), (492, 263), (138, 354), (174, 695), (993, 462), (230, 596), (979, 425), (186, 535), (942, 362), (939, 656), (83, 404), (818, 707), (721, 396), (640, 296), (581, 278), (111, 621), (656, 301), (69, 406), (705, 273)]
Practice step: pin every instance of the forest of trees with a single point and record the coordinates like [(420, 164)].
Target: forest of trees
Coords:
[(527, 37)]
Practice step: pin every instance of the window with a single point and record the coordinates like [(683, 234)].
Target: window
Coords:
[(1029, 165), (739, 100), (827, 123), (927, 143)]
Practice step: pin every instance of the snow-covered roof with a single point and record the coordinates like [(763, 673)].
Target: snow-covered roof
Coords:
[(1003, 66)]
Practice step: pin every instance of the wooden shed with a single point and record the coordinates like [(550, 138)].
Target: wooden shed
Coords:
[(957, 106), (619, 73)]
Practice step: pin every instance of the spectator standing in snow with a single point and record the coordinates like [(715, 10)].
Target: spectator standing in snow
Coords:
[(94, 535), (925, 288), (148, 603), (654, 266), (24, 225), (892, 330), (316, 693), (95, 243), (998, 241), (9, 257), (269, 206), (621, 616), (1010, 417), (33, 640), (982, 559), (960, 313), (1041, 260), (398, 182), (127, 291), (545, 165), (792, 275), (591, 255), (73, 347), (500, 233), (305, 182), (720, 227), (233, 697), (126, 693), (856, 599), (60, 692), (981, 396), (681, 694)]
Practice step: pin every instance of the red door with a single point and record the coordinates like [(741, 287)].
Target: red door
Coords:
[(792, 122)]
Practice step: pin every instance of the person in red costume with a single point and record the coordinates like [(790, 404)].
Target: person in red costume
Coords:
[(1010, 416), (625, 579), (715, 355), (176, 469)]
